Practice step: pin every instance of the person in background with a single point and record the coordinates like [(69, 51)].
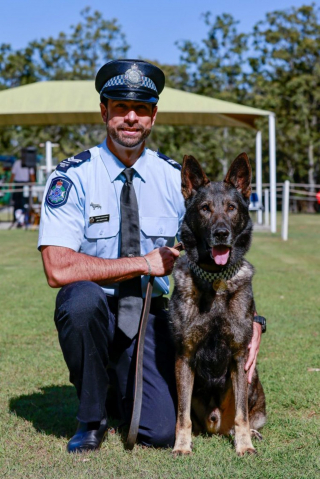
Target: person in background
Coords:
[(318, 202), (20, 174)]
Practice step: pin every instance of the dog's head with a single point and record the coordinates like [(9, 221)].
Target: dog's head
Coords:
[(217, 228)]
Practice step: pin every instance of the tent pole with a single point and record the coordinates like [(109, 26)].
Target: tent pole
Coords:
[(285, 210), (273, 185), (48, 158), (266, 207), (259, 174)]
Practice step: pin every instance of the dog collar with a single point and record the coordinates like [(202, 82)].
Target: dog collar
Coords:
[(218, 280)]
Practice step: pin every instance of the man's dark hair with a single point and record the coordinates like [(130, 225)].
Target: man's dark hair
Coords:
[(104, 101)]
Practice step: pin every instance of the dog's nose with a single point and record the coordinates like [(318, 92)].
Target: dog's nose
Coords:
[(221, 234)]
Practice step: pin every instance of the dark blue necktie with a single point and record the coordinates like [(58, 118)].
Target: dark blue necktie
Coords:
[(130, 294)]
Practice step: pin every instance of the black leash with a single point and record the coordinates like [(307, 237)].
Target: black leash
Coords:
[(137, 401), (136, 411)]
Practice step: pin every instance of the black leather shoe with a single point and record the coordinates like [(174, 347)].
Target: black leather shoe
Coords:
[(88, 436)]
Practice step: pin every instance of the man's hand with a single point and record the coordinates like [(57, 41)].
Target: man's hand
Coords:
[(253, 350), (162, 260)]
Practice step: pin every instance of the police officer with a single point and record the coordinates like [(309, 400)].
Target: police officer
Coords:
[(80, 239), (95, 206)]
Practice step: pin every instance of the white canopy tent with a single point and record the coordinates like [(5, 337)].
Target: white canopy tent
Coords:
[(77, 102)]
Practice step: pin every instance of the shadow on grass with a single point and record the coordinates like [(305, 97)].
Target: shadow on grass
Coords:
[(52, 410)]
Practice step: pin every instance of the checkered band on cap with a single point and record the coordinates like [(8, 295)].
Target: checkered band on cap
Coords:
[(226, 274), (121, 80)]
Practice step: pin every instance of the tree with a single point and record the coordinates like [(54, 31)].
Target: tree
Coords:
[(76, 55), (213, 68), (286, 79)]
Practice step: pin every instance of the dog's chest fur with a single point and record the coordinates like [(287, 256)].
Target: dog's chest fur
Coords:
[(204, 318)]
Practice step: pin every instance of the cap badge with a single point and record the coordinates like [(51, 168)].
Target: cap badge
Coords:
[(133, 77)]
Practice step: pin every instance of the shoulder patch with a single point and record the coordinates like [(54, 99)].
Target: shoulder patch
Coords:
[(58, 191), (169, 160), (74, 161)]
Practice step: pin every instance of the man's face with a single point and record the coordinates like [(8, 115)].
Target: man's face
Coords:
[(128, 123)]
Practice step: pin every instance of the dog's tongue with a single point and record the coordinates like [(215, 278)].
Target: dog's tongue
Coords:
[(220, 254)]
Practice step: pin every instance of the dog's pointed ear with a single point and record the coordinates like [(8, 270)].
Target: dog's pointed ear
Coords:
[(192, 177), (239, 175)]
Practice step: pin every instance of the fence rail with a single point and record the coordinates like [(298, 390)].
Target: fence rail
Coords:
[(287, 192)]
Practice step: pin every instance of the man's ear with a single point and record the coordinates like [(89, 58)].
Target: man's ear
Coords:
[(154, 114), (239, 175), (104, 112), (192, 177)]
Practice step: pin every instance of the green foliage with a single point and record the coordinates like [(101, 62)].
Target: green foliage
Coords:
[(275, 67), (286, 79), (216, 66), (76, 55), (213, 68), (214, 148), (38, 405)]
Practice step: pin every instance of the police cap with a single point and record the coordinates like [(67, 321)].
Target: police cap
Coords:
[(130, 80)]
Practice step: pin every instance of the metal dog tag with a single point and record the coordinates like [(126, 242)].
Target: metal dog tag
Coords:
[(220, 285)]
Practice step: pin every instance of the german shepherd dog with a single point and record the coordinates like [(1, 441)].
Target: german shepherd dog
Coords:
[(212, 309)]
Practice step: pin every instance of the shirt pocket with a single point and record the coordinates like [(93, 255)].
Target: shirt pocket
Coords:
[(105, 236), (158, 232)]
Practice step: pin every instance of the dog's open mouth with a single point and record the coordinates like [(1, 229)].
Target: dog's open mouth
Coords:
[(220, 254)]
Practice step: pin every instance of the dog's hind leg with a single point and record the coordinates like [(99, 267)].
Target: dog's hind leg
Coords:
[(185, 380), (256, 434), (243, 441)]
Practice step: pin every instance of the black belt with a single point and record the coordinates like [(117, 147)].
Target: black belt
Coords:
[(137, 400)]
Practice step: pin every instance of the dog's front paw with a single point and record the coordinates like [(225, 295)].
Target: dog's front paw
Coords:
[(244, 446), (181, 452), (241, 451), (182, 449)]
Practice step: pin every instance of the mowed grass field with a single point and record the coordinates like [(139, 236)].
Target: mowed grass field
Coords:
[(38, 405)]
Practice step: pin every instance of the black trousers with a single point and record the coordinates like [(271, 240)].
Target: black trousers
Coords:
[(18, 202), (90, 341)]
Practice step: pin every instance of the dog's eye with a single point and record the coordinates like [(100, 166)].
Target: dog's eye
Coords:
[(231, 207), (205, 207)]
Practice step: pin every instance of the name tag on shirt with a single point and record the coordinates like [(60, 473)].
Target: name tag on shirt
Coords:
[(99, 219)]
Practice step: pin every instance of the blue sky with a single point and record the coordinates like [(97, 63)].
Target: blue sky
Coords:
[(151, 27)]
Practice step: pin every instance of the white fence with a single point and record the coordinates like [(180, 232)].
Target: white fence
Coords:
[(291, 194), (33, 190)]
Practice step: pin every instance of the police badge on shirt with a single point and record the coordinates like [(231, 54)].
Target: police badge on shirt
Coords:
[(58, 192)]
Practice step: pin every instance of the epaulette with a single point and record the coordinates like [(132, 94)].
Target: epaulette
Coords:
[(169, 160), (74, 160)]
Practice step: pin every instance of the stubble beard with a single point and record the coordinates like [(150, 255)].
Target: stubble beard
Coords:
[(118, 136)]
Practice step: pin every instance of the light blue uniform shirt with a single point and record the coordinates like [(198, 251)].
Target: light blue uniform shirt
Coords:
[(92, 187)]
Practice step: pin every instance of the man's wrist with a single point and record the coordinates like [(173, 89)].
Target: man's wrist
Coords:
[(262, 321), (149, 266)]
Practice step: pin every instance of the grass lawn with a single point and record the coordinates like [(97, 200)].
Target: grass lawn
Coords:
[(38, 405)]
